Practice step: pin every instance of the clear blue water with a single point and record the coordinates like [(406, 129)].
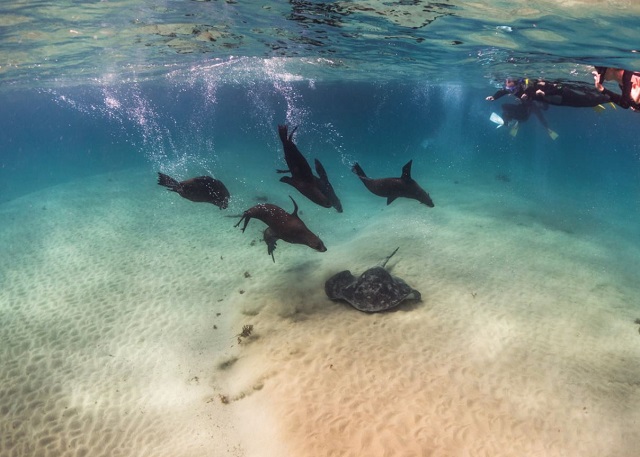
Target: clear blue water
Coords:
[(54, 136), (91, 92)]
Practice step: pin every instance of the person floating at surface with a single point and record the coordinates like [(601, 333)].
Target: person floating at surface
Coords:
[(629, 82), (575, 94), (524, 91)]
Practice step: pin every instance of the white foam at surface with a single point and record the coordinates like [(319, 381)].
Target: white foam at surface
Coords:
[(524, 343)]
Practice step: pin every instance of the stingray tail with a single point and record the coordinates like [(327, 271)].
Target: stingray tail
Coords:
[(168, 182), (357, 169), (384, 263)]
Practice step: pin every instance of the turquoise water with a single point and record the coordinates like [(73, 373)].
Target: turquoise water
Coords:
[(121, 303)]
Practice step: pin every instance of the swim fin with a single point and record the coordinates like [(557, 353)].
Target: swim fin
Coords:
[(514, 129), (600, 108), (496, 119), (553, 135)]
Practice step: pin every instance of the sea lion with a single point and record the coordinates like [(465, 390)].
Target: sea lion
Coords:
[(318, 190), (282, 226), (392, 188), (203, 189)]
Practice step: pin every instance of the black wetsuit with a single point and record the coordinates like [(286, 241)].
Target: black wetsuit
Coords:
[(624, 99), (573, 93)]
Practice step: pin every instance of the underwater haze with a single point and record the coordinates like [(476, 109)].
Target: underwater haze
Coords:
[(135, 322)]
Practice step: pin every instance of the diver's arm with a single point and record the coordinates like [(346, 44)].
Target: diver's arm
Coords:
[(616, 98), (531, 93), (498, 94)]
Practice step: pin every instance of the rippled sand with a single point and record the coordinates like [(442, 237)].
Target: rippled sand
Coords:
[(121, 306)]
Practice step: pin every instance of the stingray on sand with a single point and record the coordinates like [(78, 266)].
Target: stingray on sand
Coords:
[(374, 291)]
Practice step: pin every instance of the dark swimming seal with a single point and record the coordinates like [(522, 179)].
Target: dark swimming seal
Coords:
[(392, 188), (203, 189), (317, 189), (281, 226)]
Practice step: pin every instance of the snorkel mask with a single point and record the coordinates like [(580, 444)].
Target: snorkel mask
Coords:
[(511, 84)]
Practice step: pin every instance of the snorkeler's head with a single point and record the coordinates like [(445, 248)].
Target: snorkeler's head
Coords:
[(511, 84)]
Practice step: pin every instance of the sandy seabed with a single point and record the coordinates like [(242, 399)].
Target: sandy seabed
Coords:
[(121, 306)]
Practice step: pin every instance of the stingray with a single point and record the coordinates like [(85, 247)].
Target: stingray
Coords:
[(374, 291)]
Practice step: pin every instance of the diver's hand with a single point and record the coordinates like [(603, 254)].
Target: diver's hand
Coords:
[(596, 78), (490, 98)]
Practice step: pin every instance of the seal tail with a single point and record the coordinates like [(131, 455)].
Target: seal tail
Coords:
[(357, 169), (168, 182)]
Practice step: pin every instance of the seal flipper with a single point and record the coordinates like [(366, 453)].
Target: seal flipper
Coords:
[(246, 220), (295, 207), (292, 132), (270, 238), (357, 169), (390, 200), (322, 173), (168, 182), (298, 165), (282, 171), (327, 188), (282, 132), (287, 180), (406, 171)]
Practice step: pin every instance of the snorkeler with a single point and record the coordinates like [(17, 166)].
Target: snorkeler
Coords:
[(628, 81), (574, 93)]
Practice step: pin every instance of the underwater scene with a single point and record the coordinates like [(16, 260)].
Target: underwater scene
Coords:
[(303, 228)]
